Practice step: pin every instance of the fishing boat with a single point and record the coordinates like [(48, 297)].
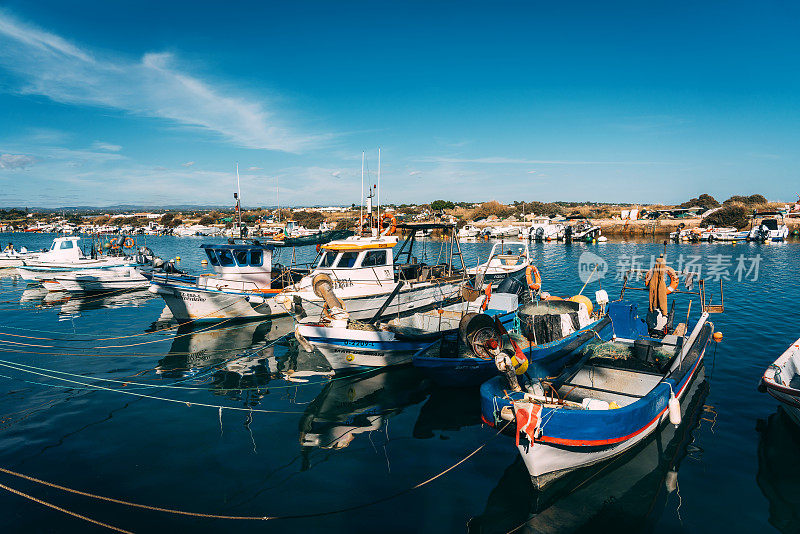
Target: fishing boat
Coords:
[(546, 335), (469, 232), (354, 346), (65, 254), (14, 258), (618, 394), (768, 226), (782, 380), (245, 281), (88, 281), (506, 259)]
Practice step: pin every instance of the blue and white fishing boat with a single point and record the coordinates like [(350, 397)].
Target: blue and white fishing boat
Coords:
[(464, 361), (506, 259), (618, 393)]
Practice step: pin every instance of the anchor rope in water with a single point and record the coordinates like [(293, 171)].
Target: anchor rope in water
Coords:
[(142, 395), (64, 510), (250, 517)]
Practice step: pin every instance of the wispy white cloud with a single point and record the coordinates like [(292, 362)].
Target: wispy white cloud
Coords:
[(154, 86), (255, 169), (99, 145), (414, 173), (15, 161), (522, 161), (188, 164)]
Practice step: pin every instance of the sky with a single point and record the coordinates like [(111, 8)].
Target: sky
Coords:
[(155, 103)]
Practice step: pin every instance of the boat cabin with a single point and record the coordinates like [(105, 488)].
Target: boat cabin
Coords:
[(63, 249), (249, 262), (357, 260)]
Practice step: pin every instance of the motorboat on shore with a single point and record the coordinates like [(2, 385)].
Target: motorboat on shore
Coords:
[(618, 394), (581, 230), (768, 226), (506, 259), (469, 232), (544, 229), (782, 380)]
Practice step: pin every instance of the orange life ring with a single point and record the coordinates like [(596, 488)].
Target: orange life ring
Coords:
[(392, 223), (114, 245), (533, 277), (673, 278), (129, 243)]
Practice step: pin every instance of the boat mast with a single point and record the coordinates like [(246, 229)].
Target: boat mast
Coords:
[(379, 191), (238, 197), (361, 212), (278, 198)]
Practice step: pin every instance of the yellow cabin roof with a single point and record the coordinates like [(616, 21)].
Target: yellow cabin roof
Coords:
[(340, 246)]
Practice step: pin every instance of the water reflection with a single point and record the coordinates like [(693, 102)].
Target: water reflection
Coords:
[(358, 404), (779, 471), (238, 361), (624, 495), (448, 409)]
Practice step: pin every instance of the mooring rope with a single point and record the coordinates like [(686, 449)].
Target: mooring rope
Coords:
[(250, 517)]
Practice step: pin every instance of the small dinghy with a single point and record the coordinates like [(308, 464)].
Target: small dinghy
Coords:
[(548, 333), (617, 395), (782, 380)]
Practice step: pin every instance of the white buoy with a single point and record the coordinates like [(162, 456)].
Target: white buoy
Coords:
[(674, 409), (671, 480)]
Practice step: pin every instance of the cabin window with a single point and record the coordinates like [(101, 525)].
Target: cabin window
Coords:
[(327, 259), (225, 258), (771, 224), (241, 257), (347, 259), (374, 258), (66, 244), (212, 258), (256, 258)]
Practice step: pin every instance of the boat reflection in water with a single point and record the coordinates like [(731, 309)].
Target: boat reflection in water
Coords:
[(239, 360), (73, 304), (357, 404), (623, 494), (779, 470)]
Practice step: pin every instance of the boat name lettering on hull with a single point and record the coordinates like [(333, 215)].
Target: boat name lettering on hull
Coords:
[(193, 297)]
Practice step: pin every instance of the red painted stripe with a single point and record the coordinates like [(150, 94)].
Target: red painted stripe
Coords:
[(611, 441), (491, 424)]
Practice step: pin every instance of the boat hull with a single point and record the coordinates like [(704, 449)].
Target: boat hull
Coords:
[(571, 440)]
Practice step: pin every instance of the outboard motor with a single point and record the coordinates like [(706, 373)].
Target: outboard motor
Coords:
[(514, 286), (568, 234), (540, 234)]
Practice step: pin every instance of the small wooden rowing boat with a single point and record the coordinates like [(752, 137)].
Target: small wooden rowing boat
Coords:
[(782, 380)]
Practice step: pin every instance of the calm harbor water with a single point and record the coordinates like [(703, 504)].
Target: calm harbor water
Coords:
[(100, 394)]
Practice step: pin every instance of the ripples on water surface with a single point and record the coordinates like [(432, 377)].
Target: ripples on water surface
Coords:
[(305, 444)]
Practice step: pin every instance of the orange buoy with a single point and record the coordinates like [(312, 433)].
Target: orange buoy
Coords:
[(717, 336)]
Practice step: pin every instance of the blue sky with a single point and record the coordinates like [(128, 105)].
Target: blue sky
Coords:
[(154, 102)]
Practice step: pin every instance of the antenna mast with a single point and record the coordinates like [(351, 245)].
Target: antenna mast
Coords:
[(379, 191)]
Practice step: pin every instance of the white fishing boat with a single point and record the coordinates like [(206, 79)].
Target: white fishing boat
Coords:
[(11, 257), (65, 254), (497, 232), (469, 232), (782, 380), (544, 229), (507, 258), (352, 346), (582, 230), (94, 280)]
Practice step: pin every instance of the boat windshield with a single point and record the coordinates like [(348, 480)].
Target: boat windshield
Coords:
[(347, 259), (212, 258), (771, 224), (327, 259), (241, 257), (374, 258), (225, 258)]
